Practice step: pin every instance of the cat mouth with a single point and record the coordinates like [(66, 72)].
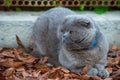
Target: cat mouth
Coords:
[(79, 41), (82, 40)]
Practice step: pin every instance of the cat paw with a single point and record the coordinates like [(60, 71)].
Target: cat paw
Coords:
[(93, 71), (103, 73)]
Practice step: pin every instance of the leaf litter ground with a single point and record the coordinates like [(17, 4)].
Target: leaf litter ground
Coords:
[(16, 64)]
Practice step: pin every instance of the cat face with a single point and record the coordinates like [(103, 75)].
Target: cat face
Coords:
[(77, 32)]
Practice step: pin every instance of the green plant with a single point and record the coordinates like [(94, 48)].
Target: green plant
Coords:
[(82, 7), (18, 9), (8, 2), (118, 3), (57, 3), (100, 10)]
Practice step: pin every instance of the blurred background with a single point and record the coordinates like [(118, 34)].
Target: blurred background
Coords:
[(18, 16)]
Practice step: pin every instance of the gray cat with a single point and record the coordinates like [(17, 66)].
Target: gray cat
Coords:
[(70, 40)]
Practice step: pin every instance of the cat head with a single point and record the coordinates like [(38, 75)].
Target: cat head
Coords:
[(77, 32)]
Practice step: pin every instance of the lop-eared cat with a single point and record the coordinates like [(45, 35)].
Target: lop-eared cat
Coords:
[(70, 40)]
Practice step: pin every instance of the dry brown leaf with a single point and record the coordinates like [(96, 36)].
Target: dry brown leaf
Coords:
[(1, 75), (9, 78), (8, 72), (118, 63), (20, 51), (20, 69), (37, 69), (25, 74), (63, 69), (17, 64), (15, 78), (5, 49), (6, 62), (7, 54), (113, 47), (110, 70), (116, 78), (17, 56), (108, 79), (44, 76), (1, 49), (66, 75), (29, 59), (73, 75), (54, 75), (109, 61), (95, 78), (85, 70), (43, 60), (31, 78), (84, 77), (43, 68), (36, 73), (19, 42)]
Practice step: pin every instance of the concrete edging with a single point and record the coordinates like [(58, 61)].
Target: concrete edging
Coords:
[(21, 23)]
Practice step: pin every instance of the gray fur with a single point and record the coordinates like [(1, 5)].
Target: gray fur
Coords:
[(66, 47)]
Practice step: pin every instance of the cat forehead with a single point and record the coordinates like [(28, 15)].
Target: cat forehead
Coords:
[(77, 19)]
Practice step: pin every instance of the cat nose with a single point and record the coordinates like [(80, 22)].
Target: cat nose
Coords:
[(66, 34)]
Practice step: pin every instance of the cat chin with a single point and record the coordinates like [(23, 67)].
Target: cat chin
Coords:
[(71, 48)]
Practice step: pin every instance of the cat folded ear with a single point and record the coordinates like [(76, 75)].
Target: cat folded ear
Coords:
[(83, 22)]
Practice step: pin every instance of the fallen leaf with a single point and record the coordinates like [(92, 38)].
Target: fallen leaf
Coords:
[(19, 42), (1, 49), (8, 72), (85, 70), (17, 56), (27, 67), (44, 76), (20, 69), (43, 60), (73, 75), (17, 64), (116, 78), (43, 68), (29, 59), (1, 76), (63, 69), (66, 75), (118, 63), (113, 47), (31, 78), (54, 75), (25, 74), (84, 77), (108, 79), (110, 70), (19, 75), (6, 62), (5, 49), (8, 54), (95, 78), (36, 73), (15, 78)]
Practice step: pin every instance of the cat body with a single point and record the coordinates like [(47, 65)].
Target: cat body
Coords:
[(70, 40)]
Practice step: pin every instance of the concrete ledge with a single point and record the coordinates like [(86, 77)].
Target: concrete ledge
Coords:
[(20, 23)]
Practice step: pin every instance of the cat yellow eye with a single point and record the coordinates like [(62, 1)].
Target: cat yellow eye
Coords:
[(71, 32), (62, 30)]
